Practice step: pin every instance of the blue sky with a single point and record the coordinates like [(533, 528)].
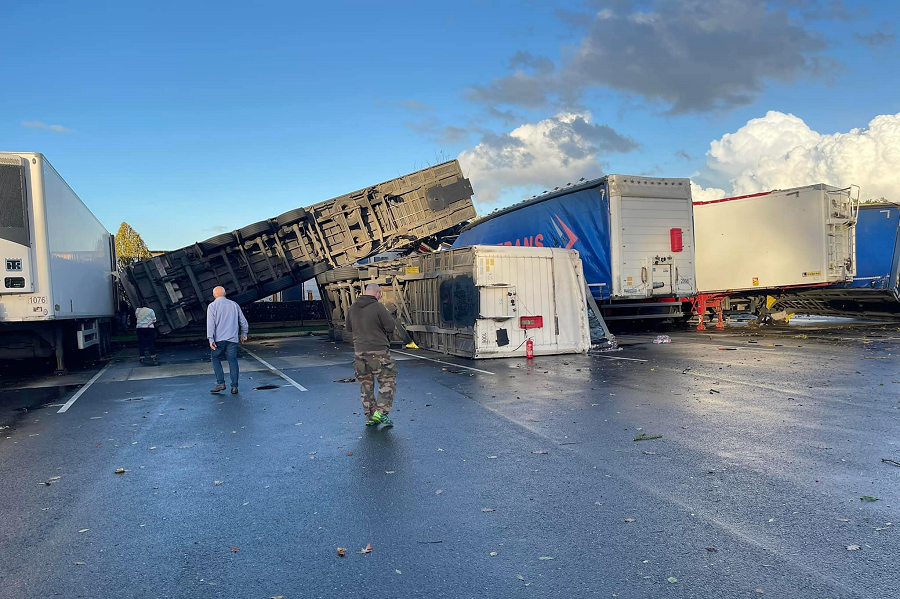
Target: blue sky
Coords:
[(186, 119)]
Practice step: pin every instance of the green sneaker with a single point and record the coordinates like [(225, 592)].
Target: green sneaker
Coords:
[(380, 418), (370, 421)]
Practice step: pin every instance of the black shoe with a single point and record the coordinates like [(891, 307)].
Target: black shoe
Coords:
[(234, 391)]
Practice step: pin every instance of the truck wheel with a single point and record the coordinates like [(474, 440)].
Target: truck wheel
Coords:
[(290, 217), (245, 297), (214, 243), (346, 273), (255, 230), (273, 287)]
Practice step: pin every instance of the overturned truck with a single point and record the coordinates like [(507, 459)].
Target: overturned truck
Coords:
[(277, 253), (474, 302)]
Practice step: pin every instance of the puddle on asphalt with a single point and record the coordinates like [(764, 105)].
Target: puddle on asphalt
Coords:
[(265, 387), (16, 404)]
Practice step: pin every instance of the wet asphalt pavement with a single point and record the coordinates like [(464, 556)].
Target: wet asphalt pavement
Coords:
[(521, 481)]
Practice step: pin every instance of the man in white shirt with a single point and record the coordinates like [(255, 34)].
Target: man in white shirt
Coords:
[(225, 324), (146, 331)]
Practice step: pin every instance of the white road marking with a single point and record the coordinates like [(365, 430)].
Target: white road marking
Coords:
[(81, 391), (276, 371), (619, 358), (439, 361)]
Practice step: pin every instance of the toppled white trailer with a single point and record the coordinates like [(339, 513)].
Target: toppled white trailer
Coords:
[(758, 245), (58, 290), (477, 301)]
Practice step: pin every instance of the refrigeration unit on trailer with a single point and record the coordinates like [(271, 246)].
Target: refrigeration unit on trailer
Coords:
[(635, 236), (477, 301), (759, 245), (875, 290), (58, 290), (272, 255)]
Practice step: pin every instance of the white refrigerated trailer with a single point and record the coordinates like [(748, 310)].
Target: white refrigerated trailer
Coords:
[(58, 291), (477, 301)]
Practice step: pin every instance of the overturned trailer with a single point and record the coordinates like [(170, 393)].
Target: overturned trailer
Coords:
[(277, 253), (790, 241), (475, 302)]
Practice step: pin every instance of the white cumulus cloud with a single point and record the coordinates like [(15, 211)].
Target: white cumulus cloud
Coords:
[(554, 151), (780, 151)]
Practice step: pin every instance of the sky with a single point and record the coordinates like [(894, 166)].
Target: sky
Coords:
[(189, 119)]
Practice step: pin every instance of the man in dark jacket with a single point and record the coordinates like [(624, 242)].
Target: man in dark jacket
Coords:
[(372, 327)]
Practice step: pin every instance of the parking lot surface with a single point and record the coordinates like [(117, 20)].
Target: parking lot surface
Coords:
[(720, 465)]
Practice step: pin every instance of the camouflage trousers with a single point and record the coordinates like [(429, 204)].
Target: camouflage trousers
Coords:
[(368, 367)]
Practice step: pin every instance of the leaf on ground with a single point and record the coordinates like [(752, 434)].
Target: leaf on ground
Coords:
[(541, 451), (152, 448), (868, 498), (349, 453), (234, 549), (493, 554), (760, 591), (120, 471), (545, 558), (712, 549), (852, 547), (218, 482), (439, 491), (390, 471), (520, 577), (84, 530), (629, 520), (277, 597), (53, 478), (649, 453), (368, 549), (492, 457), (341, 552), (646, 437), (398, 571), (672, 580), (487, 509), (843, 520), (79, 563)]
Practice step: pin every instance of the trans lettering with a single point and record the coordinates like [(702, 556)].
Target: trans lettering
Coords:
[(533, 241)]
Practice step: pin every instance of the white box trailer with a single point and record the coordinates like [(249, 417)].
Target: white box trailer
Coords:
[(477, 301), (791, 238), (58, 289)]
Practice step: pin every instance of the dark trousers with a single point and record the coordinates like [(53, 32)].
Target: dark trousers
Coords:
[(147, 341), (228, 350)]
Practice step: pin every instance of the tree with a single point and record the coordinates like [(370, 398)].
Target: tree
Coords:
[(130, 248)]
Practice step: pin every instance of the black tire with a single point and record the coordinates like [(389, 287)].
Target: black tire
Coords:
[(290, 217), (311, 272), (214, 243), (245, 297), (346, 273), (255, 230), (278, 285)]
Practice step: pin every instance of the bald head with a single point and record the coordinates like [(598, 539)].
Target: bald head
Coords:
[(374, 290), (218, 292)]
